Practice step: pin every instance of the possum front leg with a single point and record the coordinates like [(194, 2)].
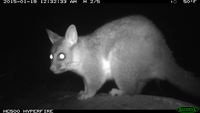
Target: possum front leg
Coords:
[(84, 90), (92, 85)]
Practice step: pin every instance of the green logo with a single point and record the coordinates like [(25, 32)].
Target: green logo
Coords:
[(187, 109)]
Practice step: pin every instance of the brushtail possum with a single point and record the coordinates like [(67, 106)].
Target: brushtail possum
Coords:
[(130, 51)]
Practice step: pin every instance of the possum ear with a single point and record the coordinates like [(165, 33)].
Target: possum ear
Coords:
[(71, 35), (53, 36)]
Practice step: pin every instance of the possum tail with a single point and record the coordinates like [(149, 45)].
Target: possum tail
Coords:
[(184, 80)]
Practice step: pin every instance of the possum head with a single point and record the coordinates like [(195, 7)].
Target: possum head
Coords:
[(61, 52)]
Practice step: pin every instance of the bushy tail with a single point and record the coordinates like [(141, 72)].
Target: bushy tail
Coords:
[(186, 81)]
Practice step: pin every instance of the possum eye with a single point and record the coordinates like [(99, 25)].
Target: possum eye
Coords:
[(61, 56), (51, 56)]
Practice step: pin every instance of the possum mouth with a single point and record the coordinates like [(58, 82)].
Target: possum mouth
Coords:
[(67, 67), (60, 71)]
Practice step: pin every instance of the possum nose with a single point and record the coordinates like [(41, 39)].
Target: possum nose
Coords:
[(53, 68), (56, 68)]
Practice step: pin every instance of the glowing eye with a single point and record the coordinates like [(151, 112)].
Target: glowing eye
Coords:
[(51, 56), (61, 56)]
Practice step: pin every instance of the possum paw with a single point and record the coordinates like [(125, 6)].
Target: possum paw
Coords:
[(85, 96), (116, 92), (81, 92)]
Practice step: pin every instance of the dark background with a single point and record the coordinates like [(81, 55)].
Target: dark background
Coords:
[(25, 47)]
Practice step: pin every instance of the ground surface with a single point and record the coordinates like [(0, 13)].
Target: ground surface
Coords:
[(66, 100)]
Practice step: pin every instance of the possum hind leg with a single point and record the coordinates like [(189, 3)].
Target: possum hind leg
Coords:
[(129, 81), (132, 87)]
